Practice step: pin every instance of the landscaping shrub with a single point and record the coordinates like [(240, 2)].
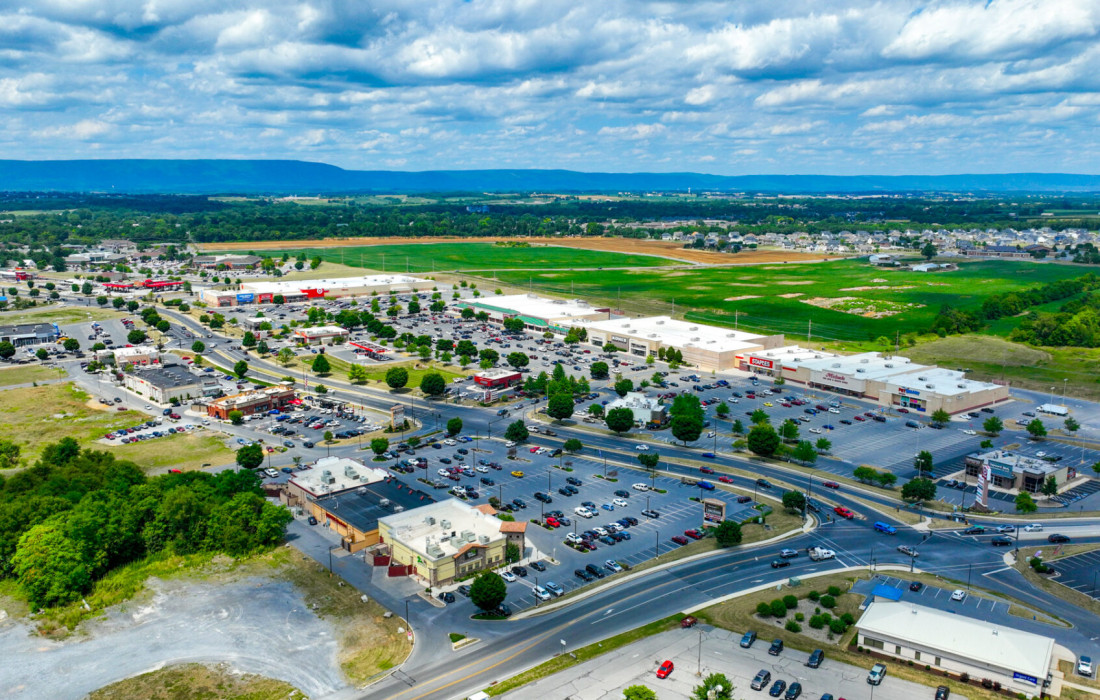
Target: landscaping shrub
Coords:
[(793, 626), (827, 601), (779, 608), (837, 627), (790, 601), (763, 609), (814, 596), (816, 622), (834, 591), (848, 619), (799, 616)]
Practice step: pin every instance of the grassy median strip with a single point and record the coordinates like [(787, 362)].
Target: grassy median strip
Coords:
[(570, 659), (1051, 585)]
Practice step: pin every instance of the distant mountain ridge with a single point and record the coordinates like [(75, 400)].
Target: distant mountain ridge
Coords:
[(306, 178)]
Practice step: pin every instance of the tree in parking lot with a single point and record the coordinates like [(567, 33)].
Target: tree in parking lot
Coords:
[(1036, 428), (433, 384), (794, 501), (41, 353), (993, 425), (722, 410), (328, 436), (517, 360), (397, 377), (728, 533), (513, 325), (454, 426), (599, 370), (709, 690), (1072, 425), (595, 410), (804, 452), (788, 430), (572, 445), (649, 460), (86, 288), (488, 591), (759, 417), (639, 692), (1049, 487), (250, 456), (611, 348), (236, 417), (516, 431), (249, 340), (619, 420), (379, 445), (1025, 503), (737, 427), (763, 440), (823, 445), (923, 462), (262, 347), (198, 346), (135, 337), (560, 406), (918, 490), (489, 354), (240, 369), (941, 417), (623, 386), (71, 345)]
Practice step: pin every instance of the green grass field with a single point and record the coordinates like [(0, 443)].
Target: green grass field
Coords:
[(442, 257), (26, 375), (756, 294), (58, 314)]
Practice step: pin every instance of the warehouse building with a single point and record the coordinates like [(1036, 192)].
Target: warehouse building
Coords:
[(231, 262), (354, 514), (162, 384), (441, 541), (538, 313), (706, 347), (24, 334), (893, 381), (1020, 662), (271, 398)]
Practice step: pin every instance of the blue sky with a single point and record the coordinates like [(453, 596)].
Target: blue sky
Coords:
[(838, 87)]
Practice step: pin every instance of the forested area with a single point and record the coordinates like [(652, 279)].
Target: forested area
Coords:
[(1076, 324), (76, 515), (82, 219), (951, 320)]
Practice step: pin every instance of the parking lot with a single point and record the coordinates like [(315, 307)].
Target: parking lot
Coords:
[(1079, 572), (540, 473), (940, 598), (606, 677)]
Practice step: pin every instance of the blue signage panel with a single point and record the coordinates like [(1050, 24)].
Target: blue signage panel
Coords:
[(1016, 675), (245, 298)]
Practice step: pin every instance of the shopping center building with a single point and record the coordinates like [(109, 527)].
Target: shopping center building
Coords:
[(537, 313), (264, 292)]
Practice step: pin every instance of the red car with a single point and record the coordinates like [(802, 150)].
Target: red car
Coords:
[(785, 404), (844, 512), (665, 669), (706, 470), (680, 540), (903, 410), (859, 418), (831, 485), (869, 414), (694, 534), (725, 479), (552, 521)]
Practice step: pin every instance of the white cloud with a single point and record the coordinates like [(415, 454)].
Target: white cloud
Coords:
[(82, 130), (634, 132)]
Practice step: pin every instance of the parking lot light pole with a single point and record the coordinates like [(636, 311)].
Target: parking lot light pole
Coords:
[(657, 538), (969, 569)]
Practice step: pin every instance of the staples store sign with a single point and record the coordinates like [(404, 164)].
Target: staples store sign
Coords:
[(761, 362)]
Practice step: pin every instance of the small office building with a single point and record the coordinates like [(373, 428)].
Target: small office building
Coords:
[(24, 334), (1009, 471), (497, 378), (706, 347), (1021, 662), (354, 513), (329, 476), (646, 410), (320, 335), (135, 355), (441, 541), (269, 398), (163, 383)]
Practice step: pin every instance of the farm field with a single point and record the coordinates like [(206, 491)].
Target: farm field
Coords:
[(866, 302), (441, 257)]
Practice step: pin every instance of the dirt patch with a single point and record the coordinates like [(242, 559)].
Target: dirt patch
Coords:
[(664, 249), (676, 274), (95, 405), (792, 295), (794, 283), (883, 286), (868, 308), (742, 298), (198, 681), (877, 280), (744, 284)]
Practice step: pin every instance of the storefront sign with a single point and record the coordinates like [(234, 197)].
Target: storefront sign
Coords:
[(838, 380), (714, 511), (619, 339), (245, 298), (761, 362), (911, 392), (1016, 675)]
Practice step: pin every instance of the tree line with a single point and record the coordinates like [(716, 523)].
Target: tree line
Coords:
[(951, 320), (76, 515)]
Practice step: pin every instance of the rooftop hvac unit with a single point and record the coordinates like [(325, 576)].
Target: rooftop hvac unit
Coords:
[(929, 386), (434, 551), (349, 472), (961, 386), (864, 361), (693, 328), (327, 477), (695, 339), (445, 524), (860, 370), (483, 539), (660, 323), (385, 502), (399, 509), (835, 365), (889, 364), (922, 379), (467, 535), (429, 520)]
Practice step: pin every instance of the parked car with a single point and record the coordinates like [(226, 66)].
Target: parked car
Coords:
[(776, 647), (777, 688), (747, 639), (1057, 538), (816, 657), (876, 674), (762, 679), (665, 669)]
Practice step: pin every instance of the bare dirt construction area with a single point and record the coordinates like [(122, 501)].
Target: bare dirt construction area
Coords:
[(868, 308), (664, 249)]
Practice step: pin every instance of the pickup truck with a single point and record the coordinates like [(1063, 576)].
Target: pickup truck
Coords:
[(820, 553)]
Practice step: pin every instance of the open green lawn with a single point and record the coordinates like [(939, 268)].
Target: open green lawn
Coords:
[(187, 452), (58, 314), (40, 415), (26, 374), (415, 374), (441, 257), (772, 297)]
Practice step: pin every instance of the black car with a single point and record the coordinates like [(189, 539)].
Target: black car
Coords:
[(1057, 539), (793, 691), (545, 498), (776, 647), (943, 693), (487, 481), (975, 530), (1001, 541), (622, 493), (915, 586), (582, 575), (594, 570), (573, 480), (744, 499), (519, 503), (763, 483), (816, 657), (503, 611), (777, 688), (519, 571), (564, 491), (447, 597), (780, 563)]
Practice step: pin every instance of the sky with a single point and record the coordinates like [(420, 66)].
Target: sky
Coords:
[(738, 87)]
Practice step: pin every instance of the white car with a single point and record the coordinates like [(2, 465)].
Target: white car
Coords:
[(482, 470), (834, 410), (573, 537), (613, 565), (508, 576), (1034, 527), (532, 428), (509, 443), (970, 432), (541, 593), (958, 595), (640, 487), (620, 502), (815, 431), (449, 442), (642, 448), (1040, 453), (600, 531), (442, 472)]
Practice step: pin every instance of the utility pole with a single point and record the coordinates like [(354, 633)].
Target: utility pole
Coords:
[(736, 313), (810, 332)]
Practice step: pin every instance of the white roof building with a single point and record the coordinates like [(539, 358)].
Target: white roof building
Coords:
[(674, 333), (536, 310), (645, 409), (944, 640), (333, 475), (340, 286), (442, 529)]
